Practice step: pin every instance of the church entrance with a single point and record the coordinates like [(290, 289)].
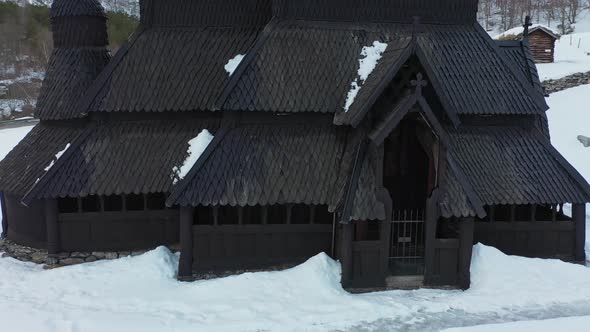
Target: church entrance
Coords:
[(409, 175)]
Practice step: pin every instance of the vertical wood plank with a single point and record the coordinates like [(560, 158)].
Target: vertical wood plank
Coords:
[(4, 216), (52, 227), (185, 265), (579, 218), (431, 222), (346, 238), (466, 228)]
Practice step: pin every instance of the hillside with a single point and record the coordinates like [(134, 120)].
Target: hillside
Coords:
[(25, 48)]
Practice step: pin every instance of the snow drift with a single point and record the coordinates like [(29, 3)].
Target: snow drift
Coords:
[(141, 293)]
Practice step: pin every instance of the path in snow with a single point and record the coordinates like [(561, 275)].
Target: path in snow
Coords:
[(424, 321), (569, 324)]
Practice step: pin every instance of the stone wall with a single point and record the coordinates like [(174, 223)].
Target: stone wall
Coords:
[(568, 82), (39, 256)]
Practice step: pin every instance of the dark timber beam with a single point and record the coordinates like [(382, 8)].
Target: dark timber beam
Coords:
[(52, 227), (431, 223), (346, 239), (4, 216), (185, 265), (579, 218), (466, 227)]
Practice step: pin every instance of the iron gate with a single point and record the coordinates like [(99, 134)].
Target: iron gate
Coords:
[(406, 254)]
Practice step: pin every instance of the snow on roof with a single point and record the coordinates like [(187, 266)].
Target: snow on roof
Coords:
[(370, 56), (196, 148), (518, 31), (57, 156), (233, 64)]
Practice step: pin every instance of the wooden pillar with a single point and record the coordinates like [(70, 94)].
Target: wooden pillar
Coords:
[(579, 218), (4, 216), (431, 223), (52, 227), (346, 239), (185, 265), (466, 227)]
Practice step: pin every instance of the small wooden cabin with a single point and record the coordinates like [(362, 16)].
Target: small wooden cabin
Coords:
[(542, 43), (541, 40), (390, 134)]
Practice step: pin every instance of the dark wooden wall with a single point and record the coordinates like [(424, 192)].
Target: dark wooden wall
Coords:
[(530, 239), (542, 47), (26, 225), (117, 231), (230, 247)]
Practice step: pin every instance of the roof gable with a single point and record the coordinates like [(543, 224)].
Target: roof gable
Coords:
[(302, 66)]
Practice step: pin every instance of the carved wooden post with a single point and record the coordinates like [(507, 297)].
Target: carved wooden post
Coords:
[(579, 218), (52, 227), (346, 239), (185, 265), (466, 226)]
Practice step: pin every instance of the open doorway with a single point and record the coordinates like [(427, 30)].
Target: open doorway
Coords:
[(409, 175)]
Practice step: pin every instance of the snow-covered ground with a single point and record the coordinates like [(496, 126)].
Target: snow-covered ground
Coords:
[(142, 294), (572, 55), (569, 117), (570, 324)]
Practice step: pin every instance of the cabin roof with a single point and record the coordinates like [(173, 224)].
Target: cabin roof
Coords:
[(515, 165)]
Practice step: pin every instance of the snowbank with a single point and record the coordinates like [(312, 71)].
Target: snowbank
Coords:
[(572, 324), (141, 294)]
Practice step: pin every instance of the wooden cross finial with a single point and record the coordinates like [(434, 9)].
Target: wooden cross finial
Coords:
[(419, 83), (527, 24)]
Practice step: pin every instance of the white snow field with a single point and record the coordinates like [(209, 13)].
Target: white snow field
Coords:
[(570, 324), (572, 55), (142, 294)]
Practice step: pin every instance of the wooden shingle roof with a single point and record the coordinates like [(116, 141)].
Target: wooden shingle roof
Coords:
[(171, 69), (515, 165), (123, 157), (26, 163)]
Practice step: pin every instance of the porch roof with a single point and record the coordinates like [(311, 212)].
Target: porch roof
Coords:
[(514, 165), (26, 163), (122, 157), (288, 162)]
